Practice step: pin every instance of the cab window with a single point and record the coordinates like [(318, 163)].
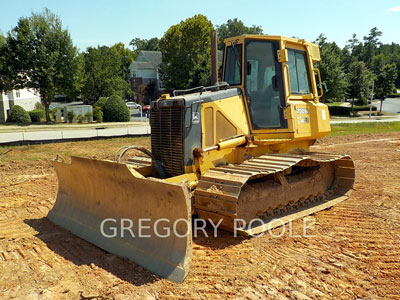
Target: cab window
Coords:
[(299, 75), (233, 74)]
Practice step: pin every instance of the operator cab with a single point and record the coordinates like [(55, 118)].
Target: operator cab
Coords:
[(252, 63)]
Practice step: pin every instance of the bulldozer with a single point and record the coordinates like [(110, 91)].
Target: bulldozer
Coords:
[(231, 153)]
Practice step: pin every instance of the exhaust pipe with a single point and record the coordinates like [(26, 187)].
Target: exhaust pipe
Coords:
[(214, 58)]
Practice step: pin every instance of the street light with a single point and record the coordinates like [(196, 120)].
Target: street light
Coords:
[(372, 97)]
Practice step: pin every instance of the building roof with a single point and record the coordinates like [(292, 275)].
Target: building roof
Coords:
[(142, 65), (152, 57)]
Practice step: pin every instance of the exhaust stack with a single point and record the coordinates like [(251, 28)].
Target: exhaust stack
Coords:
[(214, 58)]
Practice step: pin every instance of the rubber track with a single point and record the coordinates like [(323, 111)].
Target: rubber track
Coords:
[(222, 185)]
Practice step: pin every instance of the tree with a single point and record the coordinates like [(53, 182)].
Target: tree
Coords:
[(371, 44), (385, 80), (377, 63), (104, 73), (3, 71), (331, 68), (373, 36), (391, 52), (149, 92), (353, 42), (152, 44), (321, 40), (185, 51), (41, 56), (79, 77), (234, 27), (126, 57), (360, 80)]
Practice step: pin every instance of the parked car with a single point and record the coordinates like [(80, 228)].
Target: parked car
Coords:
[(132, 105), (146, 108)]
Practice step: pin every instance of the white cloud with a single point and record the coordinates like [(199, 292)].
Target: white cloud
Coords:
[(393, 9)]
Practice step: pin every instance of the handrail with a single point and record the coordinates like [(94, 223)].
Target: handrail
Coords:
[(320, 84), (288, 81)]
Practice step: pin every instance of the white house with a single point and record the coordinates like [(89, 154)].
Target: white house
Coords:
[(25, 98), (144, 69)]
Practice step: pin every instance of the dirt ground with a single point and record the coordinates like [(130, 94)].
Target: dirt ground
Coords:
[(354, 252)]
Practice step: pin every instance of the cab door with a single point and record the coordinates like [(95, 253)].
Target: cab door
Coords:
[(263, 85)]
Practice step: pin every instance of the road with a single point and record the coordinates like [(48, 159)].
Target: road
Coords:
[(72, 134), (365, 119), (390, 105)]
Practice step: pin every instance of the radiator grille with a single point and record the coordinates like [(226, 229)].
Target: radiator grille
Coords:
[(167, 138)]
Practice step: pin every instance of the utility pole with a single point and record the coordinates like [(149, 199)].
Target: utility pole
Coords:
[(214, 58), (372, 97)]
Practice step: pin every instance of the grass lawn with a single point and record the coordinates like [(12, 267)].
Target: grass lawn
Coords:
[(361, 128), (334, 103)]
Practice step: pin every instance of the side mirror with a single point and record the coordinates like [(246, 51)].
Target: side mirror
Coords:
[(323, 85), (248, 68)]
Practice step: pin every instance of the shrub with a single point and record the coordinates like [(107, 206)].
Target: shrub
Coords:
[(37, 115), (71, 115), (101, 102), (53, 114), (115, 110), (346, 110), (81, 118), (88, 116), (18, 115), (39, 105), (98, 114)]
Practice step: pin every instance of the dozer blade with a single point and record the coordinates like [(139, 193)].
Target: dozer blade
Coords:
[(104, 202), (271, 190)]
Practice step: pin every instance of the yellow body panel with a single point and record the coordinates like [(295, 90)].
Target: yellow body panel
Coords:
[(223, 119)]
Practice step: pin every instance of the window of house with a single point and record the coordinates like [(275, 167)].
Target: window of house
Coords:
[(17, 94), (298, 69)]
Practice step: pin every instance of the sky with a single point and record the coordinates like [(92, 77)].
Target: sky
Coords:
[(106, 22)]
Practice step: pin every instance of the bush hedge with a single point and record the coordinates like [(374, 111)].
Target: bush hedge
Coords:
[(39, 105), (89, 116), (345, 110), (101, 102), (71, 116), (115, 110), (18, 115), (81, 118), (98, 114), (37, 115)]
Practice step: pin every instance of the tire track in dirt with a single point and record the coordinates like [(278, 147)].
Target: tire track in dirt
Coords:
[(354, 253)]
